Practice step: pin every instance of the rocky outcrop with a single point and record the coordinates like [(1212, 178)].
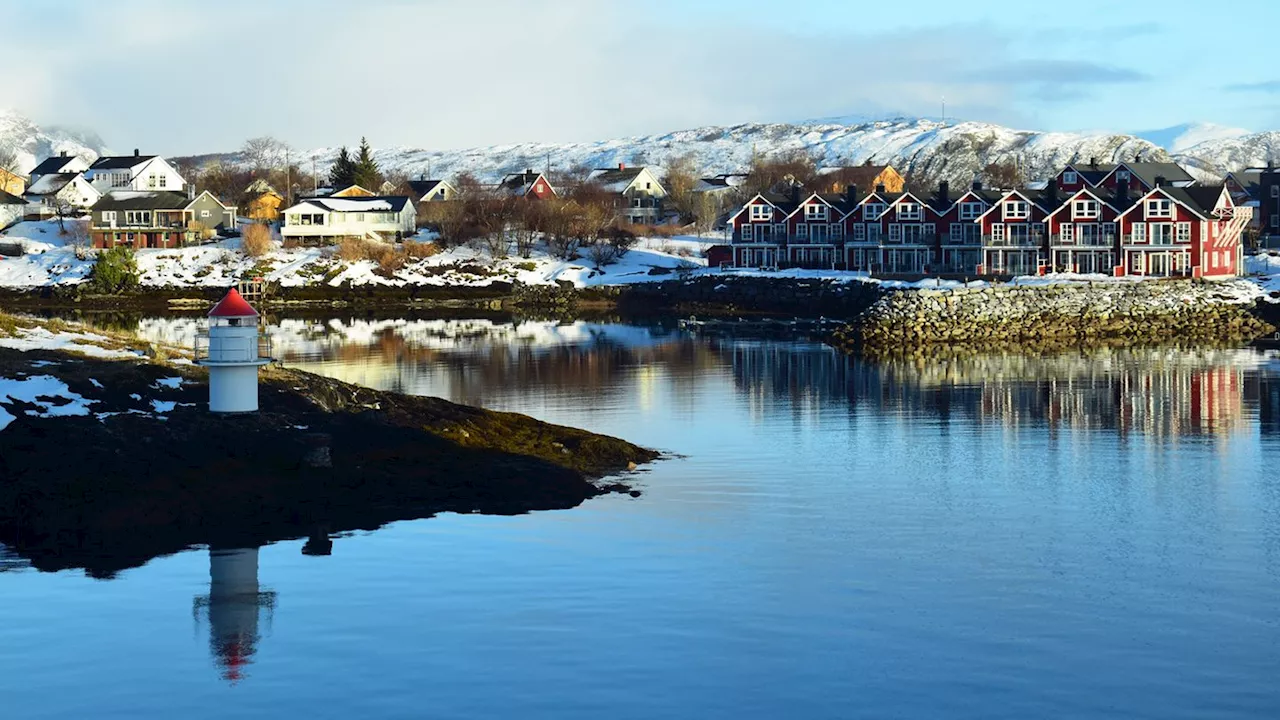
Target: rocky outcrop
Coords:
[(1057, 315), (751, 295)]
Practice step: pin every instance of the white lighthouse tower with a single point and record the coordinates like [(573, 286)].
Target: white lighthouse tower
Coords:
[(233, 351), (234, 606)]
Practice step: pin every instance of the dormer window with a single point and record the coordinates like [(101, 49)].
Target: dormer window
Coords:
[(1159, 208), (1084, 209), (761, 213), (1122, 176), (871, 211), (815, 212), (1017, 210), (970, 210), (908, 211), (1070, 177)]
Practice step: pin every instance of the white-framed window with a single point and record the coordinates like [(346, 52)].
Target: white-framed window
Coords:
[(970, 210), (874, 233), (164, 180), (761, 213), (815, 212), (1017, 210), (1138, 232), (1108, 232), (1122, 176), (1159, 208), (1161, 233), (908, 211), (802, 230), (859, 232), (119, 179), (1070, 178), (137, 217), (871, 211), (205, 213), (895, 233), (837, 230), (1067, 233), (957, 233), (1275, 191), (109, 217), (1184, 232), (1085, 209), (997, 233)]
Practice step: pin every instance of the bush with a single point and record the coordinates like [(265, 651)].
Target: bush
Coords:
[(353, 249), (115, 271), (291, 243), (390, 260), (257, 240), (420, 250)]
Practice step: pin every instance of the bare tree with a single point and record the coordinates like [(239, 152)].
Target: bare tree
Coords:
[(9, 159), (781, 171), (680, 181), (1005, 175), (265, 153)]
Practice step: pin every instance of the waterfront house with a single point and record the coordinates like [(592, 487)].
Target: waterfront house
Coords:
[(134, 172), (528, 184), (759, 229), (1182, 231), (959, 234), (1082, 231), (815, 231), (1078, 176), (328, 219), (863, 229), (12, 183), (1139, 177), (59, 192), (157, 218), (63, 162), (1013, 232), (262, 202), (638, 194)]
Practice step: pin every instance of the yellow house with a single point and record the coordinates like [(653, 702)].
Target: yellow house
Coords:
[(866, 176), (354, 191), (12, 183), (262, 202)]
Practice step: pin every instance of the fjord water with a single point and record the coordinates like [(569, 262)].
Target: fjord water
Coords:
[(1085, 535)]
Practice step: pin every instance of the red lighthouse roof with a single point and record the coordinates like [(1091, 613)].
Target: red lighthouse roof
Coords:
[(233, 306)]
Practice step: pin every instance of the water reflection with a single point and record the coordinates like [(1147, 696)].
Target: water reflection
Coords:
[(234, 609)]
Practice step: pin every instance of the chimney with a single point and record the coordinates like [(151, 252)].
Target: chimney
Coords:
[(1051, 189), (135, 152), (851, 193), (528, 171), (944, 190), (1161, 181), (977, 186), (62, 154), (1093, 162), (191, 191), (622, 166), (880, 188), (795, 194)]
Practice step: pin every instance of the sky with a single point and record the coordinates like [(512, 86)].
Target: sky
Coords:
[(179, 77)]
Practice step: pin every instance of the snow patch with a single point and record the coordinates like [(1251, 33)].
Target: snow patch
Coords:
[(41, 391)]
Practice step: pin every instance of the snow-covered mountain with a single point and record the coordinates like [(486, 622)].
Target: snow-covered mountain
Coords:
[(953, 152), (32, 143), (1181, 138), (1215, 158)]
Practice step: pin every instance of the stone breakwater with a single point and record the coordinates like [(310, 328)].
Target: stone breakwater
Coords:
[(806, 298), (1049, 316)]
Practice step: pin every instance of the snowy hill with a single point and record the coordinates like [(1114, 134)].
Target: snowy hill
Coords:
[(1181, 138), (33, 144), (943, 152), (1218, 157)]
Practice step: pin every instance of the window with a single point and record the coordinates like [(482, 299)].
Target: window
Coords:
[(761, 213), (1161, 233), (802, 230), (815, 212), (635, 202), (1159, 208), (997, 233), (152, 181), (1070, 178), (109, 217), (1138, 232), (137, 217), (1108, 232), (1067, 233), (1275, 191), (895, 233), (205, 213), (163, 180), (859, 233), (1017, 210), (1084, 209), (119, 179), (957, 233), (908, 211), (970, 210), (871, 211), (837, 230), (874, 233), (1184, 232), (1122, 176)]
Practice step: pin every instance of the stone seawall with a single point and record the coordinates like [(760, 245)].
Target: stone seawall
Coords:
[(1056, 315), (750, 295)]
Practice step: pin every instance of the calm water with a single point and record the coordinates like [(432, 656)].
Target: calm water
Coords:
[(992, 538)]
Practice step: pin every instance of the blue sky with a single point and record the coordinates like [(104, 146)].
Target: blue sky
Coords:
[(447, 73)]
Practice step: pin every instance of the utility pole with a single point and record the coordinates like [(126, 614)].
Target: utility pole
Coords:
[(288, 179), (315, 179)]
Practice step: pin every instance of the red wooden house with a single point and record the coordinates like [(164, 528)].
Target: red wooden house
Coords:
[(1188, 232), (528, 184), (1082, 232), (760, 230), (1137, 178), (815, 231), (1078, 176), (959, 234), (1013, 238), (863, 230)]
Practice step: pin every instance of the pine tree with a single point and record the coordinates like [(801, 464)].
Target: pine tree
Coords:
[(365, 171), (343, 172)]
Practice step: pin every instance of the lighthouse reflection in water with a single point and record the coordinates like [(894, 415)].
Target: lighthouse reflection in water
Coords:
[(234, 609)]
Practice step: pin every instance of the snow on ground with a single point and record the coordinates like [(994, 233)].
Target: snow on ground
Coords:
[(85, 343), (48, 393)]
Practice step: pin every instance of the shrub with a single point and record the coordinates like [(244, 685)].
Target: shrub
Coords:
[(353, 249), (115, 271), (420, 250), (291, 243), (390, 260), (257, 240)]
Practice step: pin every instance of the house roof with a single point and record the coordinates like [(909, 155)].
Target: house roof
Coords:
[(517, 181), (1147, 172), (51, 184), (864, 176), (1202, 199), (7, 199), (260, 187), (142, 200), (616, 179), (54, 164), (424, 187), (119, 162), (1249, 180)]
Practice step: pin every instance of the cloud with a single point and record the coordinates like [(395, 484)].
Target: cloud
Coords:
[(1267, 86), (185, 77)]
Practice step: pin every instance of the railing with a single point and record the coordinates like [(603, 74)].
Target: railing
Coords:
[(234, 349)]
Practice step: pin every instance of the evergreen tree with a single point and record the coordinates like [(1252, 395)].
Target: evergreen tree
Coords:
[(365, 171), (343, 172)]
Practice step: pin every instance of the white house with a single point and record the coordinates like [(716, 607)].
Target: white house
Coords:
[(11, 209), (639, 192), (433, 190), (134, 172), (65, 190), (332, 218), (58, 164)]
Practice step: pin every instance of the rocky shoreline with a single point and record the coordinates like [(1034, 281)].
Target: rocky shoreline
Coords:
[(148, 471)]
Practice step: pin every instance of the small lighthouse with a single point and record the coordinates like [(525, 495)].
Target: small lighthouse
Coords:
[(234, 606), (233, 350)]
